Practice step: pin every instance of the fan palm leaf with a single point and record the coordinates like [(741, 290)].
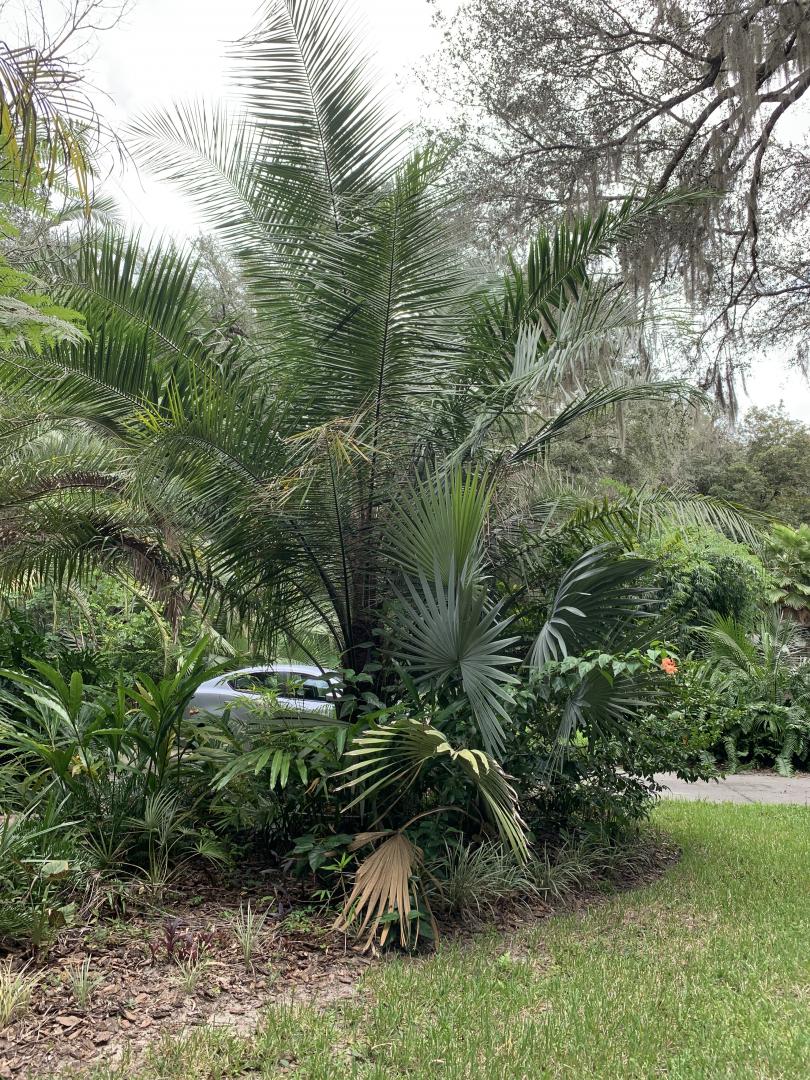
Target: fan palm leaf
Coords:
[(392, 755), (595, 597)]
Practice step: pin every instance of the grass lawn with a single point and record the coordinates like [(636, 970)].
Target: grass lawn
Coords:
[(704, 974)]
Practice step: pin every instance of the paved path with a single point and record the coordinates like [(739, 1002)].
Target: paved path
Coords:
[(741, 788)]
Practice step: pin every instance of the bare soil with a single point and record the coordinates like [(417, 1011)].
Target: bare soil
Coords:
[(139, 959)]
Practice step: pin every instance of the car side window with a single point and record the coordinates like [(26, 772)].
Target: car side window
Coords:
[(303, 687), (289, 684), (250, 683), (315, 689)]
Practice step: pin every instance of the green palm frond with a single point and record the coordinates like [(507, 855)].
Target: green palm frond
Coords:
[(598, 595), (315, 99), (731, 646), (594, 403), (438, 524), (555, 506), (391, 755), (751, 665), (312, 133), (556, 271), (210, 151), (450, 633)]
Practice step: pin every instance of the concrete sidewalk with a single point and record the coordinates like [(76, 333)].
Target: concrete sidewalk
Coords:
[(741, 788)]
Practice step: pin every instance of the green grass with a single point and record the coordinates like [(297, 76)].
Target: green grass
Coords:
[(704, 974)]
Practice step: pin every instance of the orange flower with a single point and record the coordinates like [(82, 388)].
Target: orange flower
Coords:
[(669, 667)]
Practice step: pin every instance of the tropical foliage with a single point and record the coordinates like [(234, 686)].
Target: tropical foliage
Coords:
[(762, 689), (361, 478), (790, 564)]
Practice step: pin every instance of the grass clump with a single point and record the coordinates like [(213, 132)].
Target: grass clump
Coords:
[(16, 989), (82, 982), (248, 927)]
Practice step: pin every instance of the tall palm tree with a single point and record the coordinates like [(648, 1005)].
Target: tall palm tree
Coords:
[(343, 467)]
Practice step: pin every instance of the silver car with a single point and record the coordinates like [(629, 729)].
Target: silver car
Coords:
[(299, 693)]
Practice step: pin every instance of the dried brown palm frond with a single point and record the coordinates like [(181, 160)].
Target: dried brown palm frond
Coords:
[(384, 885)]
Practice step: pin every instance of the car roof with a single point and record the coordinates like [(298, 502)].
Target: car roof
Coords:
[(303, 669)]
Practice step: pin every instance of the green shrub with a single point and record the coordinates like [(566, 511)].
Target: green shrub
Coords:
[(700, 573), (598, 781), (761, 692), (95, 784)]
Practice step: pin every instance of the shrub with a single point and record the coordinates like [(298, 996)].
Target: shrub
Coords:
[(761, 691), (700, 573), (94, 783), (598, 779)]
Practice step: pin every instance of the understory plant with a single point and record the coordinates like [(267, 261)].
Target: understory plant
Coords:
[(96, 784), (789, 556), (762, 689), (16, 989)]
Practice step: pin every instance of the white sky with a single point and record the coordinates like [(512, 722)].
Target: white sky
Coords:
[(170, 49)]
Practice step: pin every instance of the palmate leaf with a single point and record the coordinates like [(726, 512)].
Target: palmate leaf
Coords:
[(437, 525), (597, 596), (392, 755), (449, 632), (604, 706), (384, 886)]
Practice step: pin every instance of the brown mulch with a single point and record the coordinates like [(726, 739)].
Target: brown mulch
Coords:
[(140, 995)]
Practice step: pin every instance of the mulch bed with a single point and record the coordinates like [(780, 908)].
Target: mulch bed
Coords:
[(141, 997)]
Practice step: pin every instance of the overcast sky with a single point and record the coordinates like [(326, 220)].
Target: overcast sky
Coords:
[(169, 49)]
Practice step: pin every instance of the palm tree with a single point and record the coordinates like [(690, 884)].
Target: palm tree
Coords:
[(346, 467), (42, 146)]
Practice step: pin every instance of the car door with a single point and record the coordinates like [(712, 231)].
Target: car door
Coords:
[(304, 693)]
